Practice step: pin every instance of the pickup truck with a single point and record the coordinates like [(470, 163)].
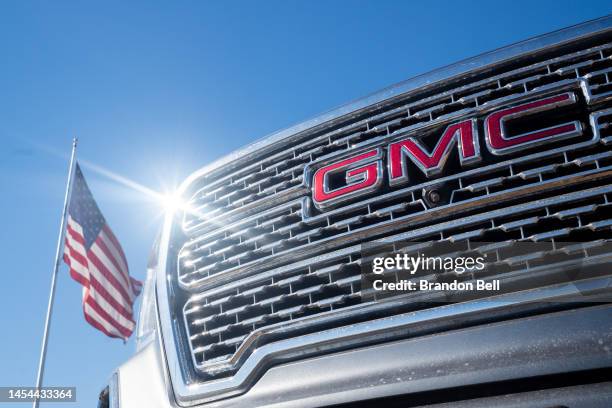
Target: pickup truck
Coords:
[(255, 291)]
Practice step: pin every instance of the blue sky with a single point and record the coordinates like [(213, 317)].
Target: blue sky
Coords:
[(155, 90)]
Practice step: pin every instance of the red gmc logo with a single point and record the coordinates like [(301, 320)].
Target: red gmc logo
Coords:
[(363, 173)]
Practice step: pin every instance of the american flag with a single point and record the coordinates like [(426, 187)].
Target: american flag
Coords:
[(97, 262)]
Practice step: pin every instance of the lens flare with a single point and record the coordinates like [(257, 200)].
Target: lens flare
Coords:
[(172, 202)]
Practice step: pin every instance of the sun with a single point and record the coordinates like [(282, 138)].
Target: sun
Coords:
[(172, 202)]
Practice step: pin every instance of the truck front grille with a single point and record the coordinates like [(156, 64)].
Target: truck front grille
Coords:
[(254, 256)]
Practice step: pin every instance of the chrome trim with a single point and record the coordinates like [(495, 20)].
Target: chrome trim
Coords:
[(350, 180), (113, 391), (188, 389), (577, 127), (456, 139), (593, 99), (227, 227), (593, 118)]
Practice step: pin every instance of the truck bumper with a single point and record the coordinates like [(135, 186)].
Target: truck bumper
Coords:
[(562, 358)]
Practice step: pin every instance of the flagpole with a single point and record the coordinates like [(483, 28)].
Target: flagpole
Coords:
[(56, 265)]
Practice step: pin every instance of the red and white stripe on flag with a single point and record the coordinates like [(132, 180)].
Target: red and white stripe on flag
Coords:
[(108, 290)]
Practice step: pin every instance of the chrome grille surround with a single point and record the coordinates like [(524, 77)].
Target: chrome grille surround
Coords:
[(263, 206)]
